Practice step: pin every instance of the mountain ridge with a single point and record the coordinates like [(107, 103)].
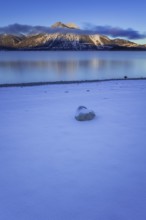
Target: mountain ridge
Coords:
[(68, 40)]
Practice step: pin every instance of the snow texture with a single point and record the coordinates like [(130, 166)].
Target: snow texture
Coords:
[(96, 39), (53, 167)]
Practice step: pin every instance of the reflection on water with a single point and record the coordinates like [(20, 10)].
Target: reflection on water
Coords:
[(58, 66), (21, 67)]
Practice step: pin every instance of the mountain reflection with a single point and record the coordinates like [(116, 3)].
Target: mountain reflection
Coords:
[(61, 66)]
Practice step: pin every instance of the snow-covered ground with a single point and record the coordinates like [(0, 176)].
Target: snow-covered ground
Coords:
[(53, 167)]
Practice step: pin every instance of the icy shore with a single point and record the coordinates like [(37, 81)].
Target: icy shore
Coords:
[(53, 167)]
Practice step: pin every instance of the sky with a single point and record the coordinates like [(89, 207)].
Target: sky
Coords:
[(114, 13)]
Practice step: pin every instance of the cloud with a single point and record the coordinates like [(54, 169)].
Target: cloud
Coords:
[(110, 31), (28, 29), (128, 33), (21, 29)]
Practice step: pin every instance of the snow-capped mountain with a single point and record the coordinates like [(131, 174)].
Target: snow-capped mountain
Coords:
[(64, 41), (70, 39)]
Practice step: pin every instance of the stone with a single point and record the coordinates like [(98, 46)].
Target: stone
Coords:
[(84, 114)]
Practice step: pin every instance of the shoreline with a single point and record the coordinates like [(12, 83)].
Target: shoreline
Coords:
[(99, 50), (29, 84)]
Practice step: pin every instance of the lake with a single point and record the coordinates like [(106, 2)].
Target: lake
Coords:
[(56, 66)]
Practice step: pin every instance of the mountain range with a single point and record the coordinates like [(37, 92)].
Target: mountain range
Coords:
[(65, 37)]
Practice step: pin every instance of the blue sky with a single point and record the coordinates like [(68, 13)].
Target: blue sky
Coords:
[(123, 14)]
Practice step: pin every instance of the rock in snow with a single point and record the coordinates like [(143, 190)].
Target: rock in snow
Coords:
[(84, 114)]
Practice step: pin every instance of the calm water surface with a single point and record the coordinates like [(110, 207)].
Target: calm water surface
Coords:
[(24, 67)]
